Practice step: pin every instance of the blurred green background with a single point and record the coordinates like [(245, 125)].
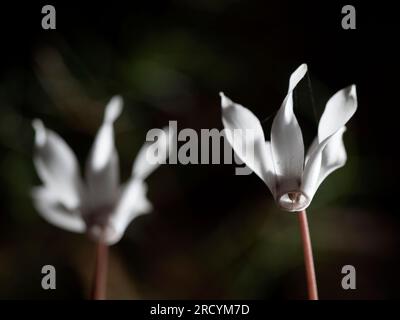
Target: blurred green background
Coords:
[(212, 234)]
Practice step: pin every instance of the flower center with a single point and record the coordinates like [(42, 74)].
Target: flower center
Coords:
[(97, 222), (293, 201)]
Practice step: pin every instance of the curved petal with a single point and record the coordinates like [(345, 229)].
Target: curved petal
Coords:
[(50, 208), (102, 168), (311, 149), (338, 110), (151, 155), (244, 133), (326, 157), (133, 202), (57, 166), (334, 155), (287, 140)]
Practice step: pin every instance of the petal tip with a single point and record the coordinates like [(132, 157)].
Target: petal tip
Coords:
[(113, 109), (297, 75), (225, 101), (353, 90), (351, 93), (40, 131), (303, 68), (37, 124)]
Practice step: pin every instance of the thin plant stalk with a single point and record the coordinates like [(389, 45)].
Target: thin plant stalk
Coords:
[(308, 256), (100, 275)]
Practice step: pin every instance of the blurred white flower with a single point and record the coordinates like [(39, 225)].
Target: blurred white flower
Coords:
[(292, 178), (101, 207)]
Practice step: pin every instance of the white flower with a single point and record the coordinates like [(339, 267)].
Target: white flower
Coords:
[(101, 207), (292, 178)]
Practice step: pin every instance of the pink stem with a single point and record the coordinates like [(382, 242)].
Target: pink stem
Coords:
[(308, 256), (100, 276)]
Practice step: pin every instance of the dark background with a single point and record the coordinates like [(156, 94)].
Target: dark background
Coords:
[(212, 234)]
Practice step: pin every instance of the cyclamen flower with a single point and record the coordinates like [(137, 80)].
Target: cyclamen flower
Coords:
[(101, 207), (292, 178)]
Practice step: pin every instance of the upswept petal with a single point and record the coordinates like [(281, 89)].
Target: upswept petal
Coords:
[(326, 157), (132, 203), (151, 155), (245, 134), (102, 167), (327, 152), (338, 110), (57, 166), (287, 140), (334, 155), (311, 149), (52, 210)]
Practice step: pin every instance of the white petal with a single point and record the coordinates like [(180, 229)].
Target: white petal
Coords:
[(244, 133), (152, 154), (104, 143), (57, 165), (334, 155), (51, 209), (133, 202), (311, 149), (339, 109), (326, 157), (297, 76), (102, 168), (287, 140)]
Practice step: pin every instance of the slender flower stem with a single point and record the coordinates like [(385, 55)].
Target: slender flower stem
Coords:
[(308, 256), (100, 275)]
